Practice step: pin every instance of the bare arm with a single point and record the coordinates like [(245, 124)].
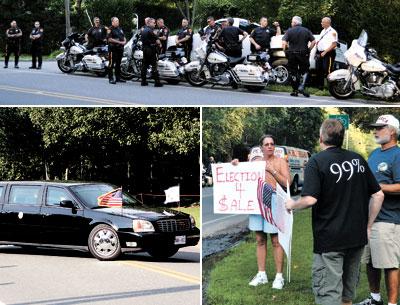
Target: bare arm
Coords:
[(244, 36), (284, 45), (375, 204), (393, 189), (302, 203)]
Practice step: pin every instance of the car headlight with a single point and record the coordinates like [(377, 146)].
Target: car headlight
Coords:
[(140, 225), (193, 221)]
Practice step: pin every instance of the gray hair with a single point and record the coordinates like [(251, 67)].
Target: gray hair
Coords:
[(396, 130), (297, 20), (332, 132)]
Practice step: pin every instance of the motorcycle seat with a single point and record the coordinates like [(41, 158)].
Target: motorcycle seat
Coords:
[(236, 60), (394, 68)]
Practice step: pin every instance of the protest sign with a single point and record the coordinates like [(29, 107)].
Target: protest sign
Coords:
[(235, 187)]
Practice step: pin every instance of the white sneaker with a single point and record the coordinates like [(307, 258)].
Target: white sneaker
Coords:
[(278, 283), (258, 280)]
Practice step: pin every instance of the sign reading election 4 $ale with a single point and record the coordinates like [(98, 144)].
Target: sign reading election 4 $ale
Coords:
[(235, 187)]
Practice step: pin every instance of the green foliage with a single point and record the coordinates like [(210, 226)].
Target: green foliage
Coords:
[(362, 117), (228, 132), (134, 147)]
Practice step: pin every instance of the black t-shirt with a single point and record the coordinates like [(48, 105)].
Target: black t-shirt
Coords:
[(342, 183), (148, 37), (262, 36), (97, 36), (298, 38), (117, 34), (230, 37), (163, 32)]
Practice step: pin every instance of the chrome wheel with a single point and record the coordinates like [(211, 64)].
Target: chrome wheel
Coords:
[(104, 243)]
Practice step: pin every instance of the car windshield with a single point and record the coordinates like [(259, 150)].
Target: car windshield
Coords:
[(88, 194)]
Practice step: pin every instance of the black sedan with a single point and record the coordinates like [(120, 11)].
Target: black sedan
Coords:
[(68, 215)]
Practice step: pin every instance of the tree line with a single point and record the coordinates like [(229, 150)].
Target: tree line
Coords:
[(379, 18), (145, 150)]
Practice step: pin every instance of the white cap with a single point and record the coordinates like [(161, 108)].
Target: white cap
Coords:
[(385, 120), (255, 152)]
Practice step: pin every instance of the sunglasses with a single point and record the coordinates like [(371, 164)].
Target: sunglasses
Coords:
[(269, 144), (380, 127)]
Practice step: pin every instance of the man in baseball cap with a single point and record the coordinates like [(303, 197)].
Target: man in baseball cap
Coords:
[(383, 249)]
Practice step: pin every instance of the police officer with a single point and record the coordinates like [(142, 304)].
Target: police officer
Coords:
[(184, 38), (231, 40), (97, 34), (260, 37), (298, 54), (211, 29), (13, 44), (36, 37), (150, 43), (326, 51), (116, 41), (163, 34)]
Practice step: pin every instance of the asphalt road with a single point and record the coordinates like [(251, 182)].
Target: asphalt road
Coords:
[(50, 86), (65, 277)]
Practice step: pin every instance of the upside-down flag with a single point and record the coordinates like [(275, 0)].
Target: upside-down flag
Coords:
[(264, 195), (111, 199)]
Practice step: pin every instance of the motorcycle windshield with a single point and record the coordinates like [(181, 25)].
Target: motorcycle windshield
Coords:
[(363, 39)]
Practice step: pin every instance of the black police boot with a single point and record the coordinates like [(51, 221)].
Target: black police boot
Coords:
[(5, 66), (16, 67), (302, 85), (32, 67), (144, 83), (295, 93), (120, 80), (39, 67), (158, 84), (112, 81)]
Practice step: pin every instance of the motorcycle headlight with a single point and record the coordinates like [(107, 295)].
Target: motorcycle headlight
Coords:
[(192, 221), (140, 225)]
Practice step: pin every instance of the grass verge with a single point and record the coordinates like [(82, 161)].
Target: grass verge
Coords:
[(228, 275), (194, 211)]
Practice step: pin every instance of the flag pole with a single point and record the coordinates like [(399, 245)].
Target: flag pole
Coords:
[(179, 202)]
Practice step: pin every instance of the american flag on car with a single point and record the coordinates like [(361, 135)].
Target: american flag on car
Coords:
[(111, 199), (264, 195)]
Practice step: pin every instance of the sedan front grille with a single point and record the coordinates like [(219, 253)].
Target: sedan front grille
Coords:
[(173, 225)]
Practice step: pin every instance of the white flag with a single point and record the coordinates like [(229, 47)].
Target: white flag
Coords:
[(172, 194)]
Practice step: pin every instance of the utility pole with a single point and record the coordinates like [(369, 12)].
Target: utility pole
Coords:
[(67, 17)]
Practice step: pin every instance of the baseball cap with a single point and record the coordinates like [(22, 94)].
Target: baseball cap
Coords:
[(255, 152), (386, 119)]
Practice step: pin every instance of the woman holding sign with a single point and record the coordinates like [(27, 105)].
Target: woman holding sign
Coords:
[(276, 171)]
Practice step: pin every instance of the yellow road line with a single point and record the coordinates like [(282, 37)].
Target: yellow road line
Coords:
[(169, 272), (63, 95)]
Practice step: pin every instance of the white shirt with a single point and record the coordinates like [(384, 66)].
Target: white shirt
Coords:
[(326, 38)]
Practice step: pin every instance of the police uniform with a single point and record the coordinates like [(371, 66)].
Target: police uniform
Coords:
[(116, 51), (298, 55), (262, 36), (97, 36), (211, 30), (163, 32), (13, 45), (149, 41), (37, 48), (230, 37), (324, 65), (187, 45)]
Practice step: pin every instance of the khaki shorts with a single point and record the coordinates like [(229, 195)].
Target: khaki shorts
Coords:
[(383, 249)]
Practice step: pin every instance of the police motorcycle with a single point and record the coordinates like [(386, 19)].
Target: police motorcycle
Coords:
[(276, 75), (170, 66), (216, 68), (366, 73), (76, 56)]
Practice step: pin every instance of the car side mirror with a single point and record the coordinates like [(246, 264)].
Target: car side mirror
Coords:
[(67, 204)]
